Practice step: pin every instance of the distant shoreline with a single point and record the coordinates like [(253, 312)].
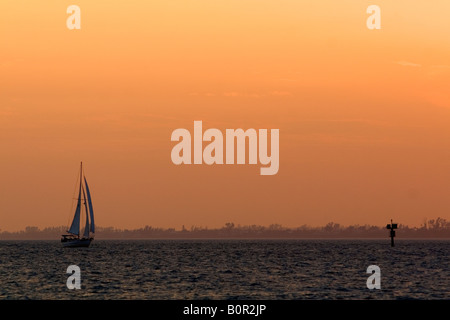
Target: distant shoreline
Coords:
[(432, 229)]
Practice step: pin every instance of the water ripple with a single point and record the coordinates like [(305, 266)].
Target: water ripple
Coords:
[(226, 269)]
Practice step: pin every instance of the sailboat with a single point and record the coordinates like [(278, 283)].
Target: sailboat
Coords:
[(84, 203)]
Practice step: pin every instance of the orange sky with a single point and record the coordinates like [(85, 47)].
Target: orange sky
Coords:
[(364, 115)]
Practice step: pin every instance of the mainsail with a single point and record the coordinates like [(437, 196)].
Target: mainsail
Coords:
[(91, 209), (86, 227), (75, 227)]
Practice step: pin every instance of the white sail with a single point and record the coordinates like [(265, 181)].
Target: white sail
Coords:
[(86, 227), (91, 209), (75, 227)]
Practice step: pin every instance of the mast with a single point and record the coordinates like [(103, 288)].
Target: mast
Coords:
[(79, 200), (81, 174), (75, 226)]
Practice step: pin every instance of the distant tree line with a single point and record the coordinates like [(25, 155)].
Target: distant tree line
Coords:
[(434, 228)]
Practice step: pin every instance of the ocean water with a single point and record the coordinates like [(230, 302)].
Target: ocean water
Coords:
[(226, 269)]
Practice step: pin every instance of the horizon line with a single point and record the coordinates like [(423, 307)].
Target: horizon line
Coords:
[(440, 223)]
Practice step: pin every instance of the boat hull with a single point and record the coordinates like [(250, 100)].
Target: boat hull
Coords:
[(76, 243)]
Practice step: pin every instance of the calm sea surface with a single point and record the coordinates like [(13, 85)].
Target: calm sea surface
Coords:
[(226, 269)]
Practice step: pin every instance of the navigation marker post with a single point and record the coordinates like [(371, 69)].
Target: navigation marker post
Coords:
[(392, 226)]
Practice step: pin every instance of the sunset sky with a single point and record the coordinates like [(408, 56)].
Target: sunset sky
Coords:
[(364, 115)]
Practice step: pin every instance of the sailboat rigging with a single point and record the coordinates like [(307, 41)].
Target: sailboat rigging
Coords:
[(84, 203)]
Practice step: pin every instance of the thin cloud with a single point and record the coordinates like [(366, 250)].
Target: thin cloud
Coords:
[(408, 64), (280, 93), (231, 94), (241, 94), (256, 95)]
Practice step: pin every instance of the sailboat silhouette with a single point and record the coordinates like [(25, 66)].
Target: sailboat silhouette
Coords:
[(84, 200)]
